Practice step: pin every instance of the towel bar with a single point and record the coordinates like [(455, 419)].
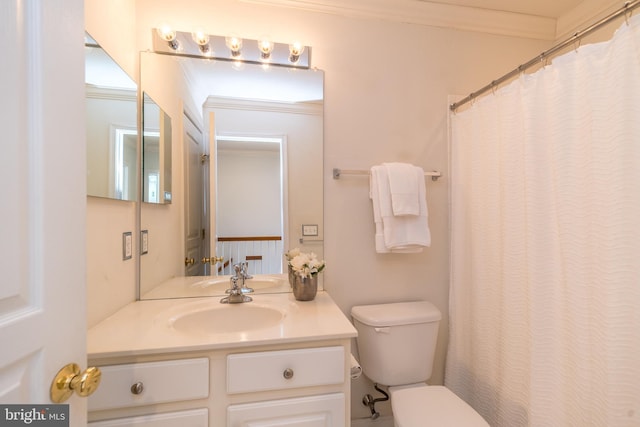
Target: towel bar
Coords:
[(337, 173)]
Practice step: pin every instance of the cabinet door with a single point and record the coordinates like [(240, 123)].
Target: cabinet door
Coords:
[(327, 410)]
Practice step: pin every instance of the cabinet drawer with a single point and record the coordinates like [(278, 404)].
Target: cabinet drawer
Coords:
[(192, 418), (272, 370), (167, 381)]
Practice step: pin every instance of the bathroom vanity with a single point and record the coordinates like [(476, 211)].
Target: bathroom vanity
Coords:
[(196, 362)]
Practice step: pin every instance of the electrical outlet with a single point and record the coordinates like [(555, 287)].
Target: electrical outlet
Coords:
[(127, 245)]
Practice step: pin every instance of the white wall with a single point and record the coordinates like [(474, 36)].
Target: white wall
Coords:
[(386, 89), (248, 183), (111, 281), (301, 124)]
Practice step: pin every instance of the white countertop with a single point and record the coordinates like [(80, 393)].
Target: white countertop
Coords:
[(143, 327), (206, 286)]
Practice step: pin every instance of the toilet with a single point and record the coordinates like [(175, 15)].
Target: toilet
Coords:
[(396, 344)]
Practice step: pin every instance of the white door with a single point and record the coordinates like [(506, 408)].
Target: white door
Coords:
[(42, 199), (194, 198)]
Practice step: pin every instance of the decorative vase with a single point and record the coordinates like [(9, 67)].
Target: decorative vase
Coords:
[(292, 276), (305, 288)]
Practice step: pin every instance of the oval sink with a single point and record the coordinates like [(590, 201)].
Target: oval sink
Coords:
[(226, 318)]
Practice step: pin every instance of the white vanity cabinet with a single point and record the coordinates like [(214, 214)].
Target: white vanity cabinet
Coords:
[(301, 385), (295, 373)]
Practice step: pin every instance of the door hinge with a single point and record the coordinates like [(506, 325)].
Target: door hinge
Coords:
[(204, 233)]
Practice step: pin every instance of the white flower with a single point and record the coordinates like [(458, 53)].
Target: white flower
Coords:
[(306, 264), (292, 254)]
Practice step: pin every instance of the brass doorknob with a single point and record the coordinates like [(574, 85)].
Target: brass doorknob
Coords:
[(189, 261), (70, 379)]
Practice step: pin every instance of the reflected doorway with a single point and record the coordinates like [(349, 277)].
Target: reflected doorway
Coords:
[(250, 203)]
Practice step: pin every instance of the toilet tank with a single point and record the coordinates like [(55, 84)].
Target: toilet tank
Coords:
[(397, 341)]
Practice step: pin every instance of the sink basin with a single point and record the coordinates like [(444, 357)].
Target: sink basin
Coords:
[(215, 318)]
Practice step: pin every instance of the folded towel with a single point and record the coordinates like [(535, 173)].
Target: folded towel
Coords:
[(404, 180), (401, 234), (377, 173)]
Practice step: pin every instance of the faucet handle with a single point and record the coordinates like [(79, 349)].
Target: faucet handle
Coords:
[(245, 272), (238, 269)]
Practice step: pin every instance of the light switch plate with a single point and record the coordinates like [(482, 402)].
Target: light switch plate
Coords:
[(309, 229), (127, 245), (144, 242)]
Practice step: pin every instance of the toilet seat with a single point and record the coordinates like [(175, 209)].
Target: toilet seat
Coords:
[(432, 406)]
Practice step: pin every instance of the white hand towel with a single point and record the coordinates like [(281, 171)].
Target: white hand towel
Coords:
[(401, 234), (404, 180), (377, 173)]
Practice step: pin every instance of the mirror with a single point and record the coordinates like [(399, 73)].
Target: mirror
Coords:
[(111, 124), (156, 153), (251, 144)]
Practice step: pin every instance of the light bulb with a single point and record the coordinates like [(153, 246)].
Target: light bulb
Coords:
[(168, 34), (201, 39), (295, 50), (234, 44), (266, 47)]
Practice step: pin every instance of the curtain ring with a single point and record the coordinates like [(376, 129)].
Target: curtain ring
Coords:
[(578, 44), (543, 60), (627, 15)]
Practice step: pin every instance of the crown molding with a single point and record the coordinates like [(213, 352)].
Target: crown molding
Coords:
[(430, 14), (309, 108), (98, 92)]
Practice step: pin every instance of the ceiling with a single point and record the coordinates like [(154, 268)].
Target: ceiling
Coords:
[(546, 8), (533, 19)]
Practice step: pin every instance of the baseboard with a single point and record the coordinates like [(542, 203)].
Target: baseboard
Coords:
[(368, 422)]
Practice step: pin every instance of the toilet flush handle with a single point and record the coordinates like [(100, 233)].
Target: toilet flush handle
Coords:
[(384, 330)]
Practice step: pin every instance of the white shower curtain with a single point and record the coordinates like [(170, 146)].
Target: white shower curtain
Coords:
[(545, 250)]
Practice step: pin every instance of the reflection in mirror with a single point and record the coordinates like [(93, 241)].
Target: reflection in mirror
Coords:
[(156, 153), (111, 123), (249, 179), (251, 141)]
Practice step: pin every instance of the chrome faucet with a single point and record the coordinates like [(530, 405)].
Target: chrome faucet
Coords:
[(243, 274), (236, 295)]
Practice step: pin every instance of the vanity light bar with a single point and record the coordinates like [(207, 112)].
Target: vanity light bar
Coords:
[(217, 47)]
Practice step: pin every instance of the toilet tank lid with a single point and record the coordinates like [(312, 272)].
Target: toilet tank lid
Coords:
[(394, 314)]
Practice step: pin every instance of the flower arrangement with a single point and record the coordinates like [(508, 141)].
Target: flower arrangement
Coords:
[(304, 264)]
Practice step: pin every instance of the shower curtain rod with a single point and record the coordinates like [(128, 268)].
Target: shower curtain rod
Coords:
[(628, 7)]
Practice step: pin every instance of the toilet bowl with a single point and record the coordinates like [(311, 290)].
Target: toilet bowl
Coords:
[(396, 344)]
